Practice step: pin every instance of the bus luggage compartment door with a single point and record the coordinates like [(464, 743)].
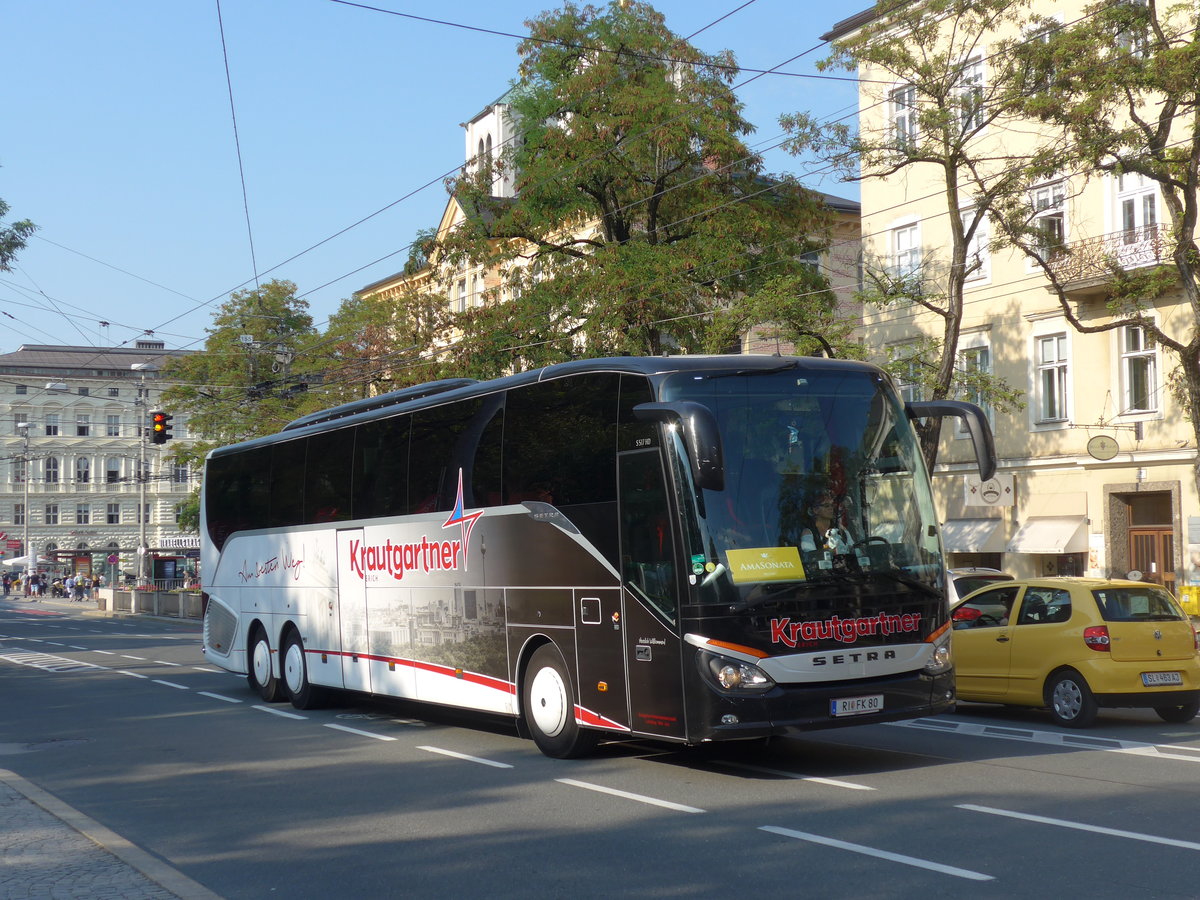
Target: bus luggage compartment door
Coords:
[(600, 642), (352, 615)]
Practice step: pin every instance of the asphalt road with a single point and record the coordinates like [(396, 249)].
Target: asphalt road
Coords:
[(122, 720)]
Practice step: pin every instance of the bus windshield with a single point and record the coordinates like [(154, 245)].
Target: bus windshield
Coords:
[(824, 482)]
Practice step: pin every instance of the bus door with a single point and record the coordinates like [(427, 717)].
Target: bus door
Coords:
[(649, 570), (352, 614)]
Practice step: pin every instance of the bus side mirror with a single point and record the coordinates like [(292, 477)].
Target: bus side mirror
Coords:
[(976, 422), (701, 436)]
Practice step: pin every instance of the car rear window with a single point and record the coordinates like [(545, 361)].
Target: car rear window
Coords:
[(1137, 604), (965, 584)]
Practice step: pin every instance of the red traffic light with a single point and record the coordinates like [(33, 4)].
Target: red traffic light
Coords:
[(160, 428)]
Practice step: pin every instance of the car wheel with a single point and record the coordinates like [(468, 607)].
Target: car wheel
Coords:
[(1070, 700), (1177, 715), (260, 676), (549, 706)]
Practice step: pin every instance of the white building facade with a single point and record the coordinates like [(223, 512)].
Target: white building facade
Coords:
[(82, 480)]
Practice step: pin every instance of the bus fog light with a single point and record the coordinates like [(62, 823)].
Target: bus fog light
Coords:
[(729, 720)]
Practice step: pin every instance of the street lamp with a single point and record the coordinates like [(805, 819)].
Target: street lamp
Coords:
[(29, 555)]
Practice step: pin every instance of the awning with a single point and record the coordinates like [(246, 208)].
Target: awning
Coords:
[(1051, 534), (973, 536)]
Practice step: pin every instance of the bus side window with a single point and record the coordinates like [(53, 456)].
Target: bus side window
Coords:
[(327, 476), (647, 549)]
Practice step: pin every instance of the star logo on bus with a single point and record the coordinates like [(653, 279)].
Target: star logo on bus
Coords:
[(459, 516)]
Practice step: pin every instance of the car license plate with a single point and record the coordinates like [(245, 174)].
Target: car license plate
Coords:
[(1153, 679), (856, 706)]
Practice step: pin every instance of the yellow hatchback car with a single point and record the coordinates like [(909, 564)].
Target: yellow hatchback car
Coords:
[(1077, 644)]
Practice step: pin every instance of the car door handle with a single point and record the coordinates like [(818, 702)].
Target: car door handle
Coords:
[(1003, 639)]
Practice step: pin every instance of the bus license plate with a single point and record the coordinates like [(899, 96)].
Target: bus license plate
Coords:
[(856, 706), (1153, 679)]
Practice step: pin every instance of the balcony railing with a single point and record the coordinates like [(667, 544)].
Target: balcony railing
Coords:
[(1091, 261)]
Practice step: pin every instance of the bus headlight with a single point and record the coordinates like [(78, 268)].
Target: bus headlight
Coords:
[(942, 659), (733, 674)]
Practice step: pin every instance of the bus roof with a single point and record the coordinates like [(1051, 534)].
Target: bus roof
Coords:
[(435, 393)]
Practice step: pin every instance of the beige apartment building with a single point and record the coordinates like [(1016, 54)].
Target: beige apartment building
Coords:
[(1096, 473), (470, 286)]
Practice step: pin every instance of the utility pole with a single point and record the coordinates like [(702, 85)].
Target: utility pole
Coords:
[(30, 556), (143, 404)]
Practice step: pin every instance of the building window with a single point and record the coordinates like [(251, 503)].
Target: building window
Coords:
[(22, 389), (1052, 378), (18, 513), (113, 515), (1137, 206), (112, 471), (461, 303), (83, 425), (1139, 370), (970, 94), (179, 473), (977, 258), (83, 392), (51, 513), (906, 367), (906, 251), (904, 116), (18, 470), (20, 419), (112, 426), (52, 470), (114, 392), (83, 470), (974, 365), (52, 424), (1133, 34), (83, 514), (1049, 220), (143, 513)]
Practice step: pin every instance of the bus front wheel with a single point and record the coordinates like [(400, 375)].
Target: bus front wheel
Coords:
[(549, 705), (260, 677)]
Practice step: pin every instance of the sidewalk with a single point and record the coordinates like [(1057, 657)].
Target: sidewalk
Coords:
[(51, 851)]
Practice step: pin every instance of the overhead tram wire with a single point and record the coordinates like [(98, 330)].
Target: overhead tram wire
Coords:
[(237, 143)]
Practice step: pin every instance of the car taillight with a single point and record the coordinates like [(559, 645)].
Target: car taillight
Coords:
[(1096, 637), (966, 614)]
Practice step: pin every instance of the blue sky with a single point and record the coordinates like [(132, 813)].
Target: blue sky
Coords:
[(117, 141)]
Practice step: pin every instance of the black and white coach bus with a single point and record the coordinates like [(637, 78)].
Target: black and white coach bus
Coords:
[(687, 549)]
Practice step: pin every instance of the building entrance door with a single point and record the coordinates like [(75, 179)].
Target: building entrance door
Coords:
[(1152, 552)]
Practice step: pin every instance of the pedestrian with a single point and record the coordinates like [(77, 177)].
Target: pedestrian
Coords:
[(7, 579)]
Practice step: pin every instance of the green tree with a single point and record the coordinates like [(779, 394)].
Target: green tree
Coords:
[(243, 384), (639, 209), (920, 64), (13, 238), (1119, 88)]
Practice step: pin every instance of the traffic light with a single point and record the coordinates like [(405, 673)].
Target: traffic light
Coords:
[(160, 427)]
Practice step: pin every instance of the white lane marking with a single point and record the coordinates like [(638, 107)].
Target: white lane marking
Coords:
[(207, 669), (474, 759), (832, 782), (84, 649), (138, 658), (878, 854), (640, 798), (163, 662), (131, 674), (378, 737), (105, 652), (46, 661), (1051, 738), (55, 644), (182, 687), (218, 697), (279, 712), (1080, 826)]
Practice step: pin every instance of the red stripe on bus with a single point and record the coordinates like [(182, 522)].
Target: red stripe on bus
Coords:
[(498, 684)]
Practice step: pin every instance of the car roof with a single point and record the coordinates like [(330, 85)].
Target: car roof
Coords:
[(1063, 581)]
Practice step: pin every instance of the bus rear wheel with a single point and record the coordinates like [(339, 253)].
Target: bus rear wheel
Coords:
[(260, 676), (294, 669), (548, 701)]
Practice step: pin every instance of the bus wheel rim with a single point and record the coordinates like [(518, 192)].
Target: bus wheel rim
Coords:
[(293, 667), (548, 702), (262, 661)]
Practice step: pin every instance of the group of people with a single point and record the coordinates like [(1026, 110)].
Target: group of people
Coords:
[(77, 588)]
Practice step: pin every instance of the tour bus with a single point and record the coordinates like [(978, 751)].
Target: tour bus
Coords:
[(619, 548)]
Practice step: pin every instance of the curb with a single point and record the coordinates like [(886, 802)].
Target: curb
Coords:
[(152, 868)]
